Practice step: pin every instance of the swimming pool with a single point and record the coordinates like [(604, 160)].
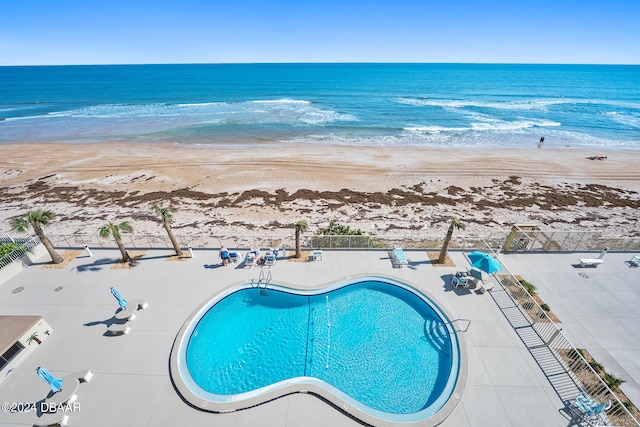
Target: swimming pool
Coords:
[(374, 347)]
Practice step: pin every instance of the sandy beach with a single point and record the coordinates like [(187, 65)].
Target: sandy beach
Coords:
[(221, 190)]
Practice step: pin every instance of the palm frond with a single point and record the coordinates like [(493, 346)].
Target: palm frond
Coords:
[(39, 216), (19, 224)]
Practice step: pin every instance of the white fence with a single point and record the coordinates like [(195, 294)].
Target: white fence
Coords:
[(25, 246)]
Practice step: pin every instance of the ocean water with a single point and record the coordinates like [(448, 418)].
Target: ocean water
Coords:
[(439, 105)]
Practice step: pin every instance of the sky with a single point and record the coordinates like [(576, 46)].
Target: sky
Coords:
[(38, 32)]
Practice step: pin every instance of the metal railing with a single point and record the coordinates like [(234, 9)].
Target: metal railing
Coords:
[(578, 369), (26, 244), (530, 239), (516, 240), (158, 241)]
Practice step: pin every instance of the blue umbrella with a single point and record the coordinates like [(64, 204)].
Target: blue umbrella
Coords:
[(121, 301), (54, 383), (484, 262)]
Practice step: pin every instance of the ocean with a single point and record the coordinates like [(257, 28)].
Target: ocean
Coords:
[(437, 105)]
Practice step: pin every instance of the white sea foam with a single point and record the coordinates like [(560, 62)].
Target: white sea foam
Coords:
[(533, 104), (500, 125), (284, 111), (434, 129), (281, 101), (629, 120)]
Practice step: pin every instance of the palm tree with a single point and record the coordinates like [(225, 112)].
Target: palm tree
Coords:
[(114, 230), (37, 219), (455, 223), (300, 227), (165, 215)]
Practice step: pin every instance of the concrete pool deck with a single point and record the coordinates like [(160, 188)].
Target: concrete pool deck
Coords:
[(132, 386)]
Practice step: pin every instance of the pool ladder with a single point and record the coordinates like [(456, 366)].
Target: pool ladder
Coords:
[(466, 327), (263, 282)]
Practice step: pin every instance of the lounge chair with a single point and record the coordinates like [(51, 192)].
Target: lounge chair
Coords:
[(464, 282), (269, 260), (315, 255), (583, 408), (591, 262), (399, 257), (119, 329), (249, 260)]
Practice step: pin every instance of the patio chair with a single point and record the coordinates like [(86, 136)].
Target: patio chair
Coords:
[(249, 260), (584, 408), (269, 260), (399, 257), (464, 282)]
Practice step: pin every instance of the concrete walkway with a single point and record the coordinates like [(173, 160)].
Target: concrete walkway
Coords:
[(599, 307), (132, 386)]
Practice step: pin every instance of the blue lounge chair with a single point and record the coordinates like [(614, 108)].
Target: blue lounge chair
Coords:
[(400, 258), (583, 408)]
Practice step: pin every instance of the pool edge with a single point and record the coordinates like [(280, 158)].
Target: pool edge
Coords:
[(307, 387)]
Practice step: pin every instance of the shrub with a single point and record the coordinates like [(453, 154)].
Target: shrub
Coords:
[(530, 287), (338, 229), (612, 381), (7, 248), (545, 307)]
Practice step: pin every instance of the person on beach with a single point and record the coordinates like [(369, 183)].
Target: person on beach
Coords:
[(224, 255), (541, 142)]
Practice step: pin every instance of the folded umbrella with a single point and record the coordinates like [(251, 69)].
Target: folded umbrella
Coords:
[(121, 301), (54, 383)]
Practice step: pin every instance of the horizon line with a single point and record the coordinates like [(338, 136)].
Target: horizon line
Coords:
[(320, 62)]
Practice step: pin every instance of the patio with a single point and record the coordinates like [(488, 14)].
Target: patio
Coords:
[(132, 385)]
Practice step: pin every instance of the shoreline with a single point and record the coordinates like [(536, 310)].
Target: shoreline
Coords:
[(245, 190)]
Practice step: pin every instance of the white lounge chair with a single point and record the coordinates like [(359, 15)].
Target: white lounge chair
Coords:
[(269, 260), (315, 255), (249, 260), (591, 262)]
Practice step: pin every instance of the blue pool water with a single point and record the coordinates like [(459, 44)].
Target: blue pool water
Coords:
[(378, 343)]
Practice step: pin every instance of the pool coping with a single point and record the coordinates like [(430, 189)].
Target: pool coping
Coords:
[(306, 385)]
